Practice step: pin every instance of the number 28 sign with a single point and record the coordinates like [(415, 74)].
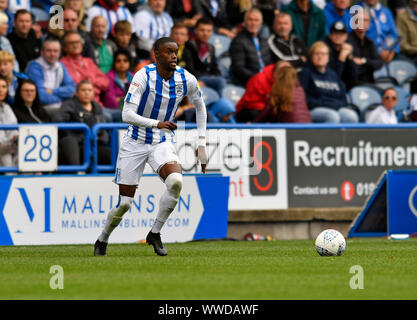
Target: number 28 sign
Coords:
[(37, 148)]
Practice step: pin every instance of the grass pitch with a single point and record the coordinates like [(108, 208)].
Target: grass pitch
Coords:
[(212, 270)]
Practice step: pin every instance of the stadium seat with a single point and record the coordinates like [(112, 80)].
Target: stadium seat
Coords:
[(383, 80), (224, 66), (221, 44), (364, 97), (210, 95), (402, 107), (403, 72), (233, 93)]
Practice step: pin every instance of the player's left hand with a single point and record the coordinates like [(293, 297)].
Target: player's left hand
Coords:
[(201, 157)]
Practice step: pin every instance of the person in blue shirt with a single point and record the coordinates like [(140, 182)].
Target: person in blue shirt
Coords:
[(382, 30), (338, 10)]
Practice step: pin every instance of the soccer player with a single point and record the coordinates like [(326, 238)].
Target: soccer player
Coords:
[(149, 108)]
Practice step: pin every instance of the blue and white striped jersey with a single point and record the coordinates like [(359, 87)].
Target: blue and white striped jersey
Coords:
[(158, 99)]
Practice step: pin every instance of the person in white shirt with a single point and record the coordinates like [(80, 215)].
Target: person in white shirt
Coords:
[(153, 23), (385, 113)]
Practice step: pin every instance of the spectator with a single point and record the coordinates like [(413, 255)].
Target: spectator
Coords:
[(153, 23), (202, 62), (382, 30), (237, 9), (16, 5), (25, 44), (407, 28), (341, 54), (81, 108), (365, 54), (385, 113), (185, 11), (103, 51), (309, 21), (27, 106), (287, 100), (326, 95), (8, 138), (119, 79), (81, 68), (338, 10), (51, 77), (257, 92), (12, 77), (71, 23), (4, 7), (284, 45), (249, 52), (123, 38), (216, 11), (179, 33), (78, 7), (133, 5), (111, 11), (4, 42)]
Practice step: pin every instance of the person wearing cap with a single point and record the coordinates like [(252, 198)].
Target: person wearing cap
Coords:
[(341, 58), (382, 30), (284, 45), (365, 54), (407, 28), (338, 10)]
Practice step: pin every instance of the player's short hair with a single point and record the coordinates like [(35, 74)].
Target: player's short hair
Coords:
[(6, 56), (83, 82), (22, 11), (204, 20), (161, 41), (68, 33), (179, 25), (123, 26), (50, 39)]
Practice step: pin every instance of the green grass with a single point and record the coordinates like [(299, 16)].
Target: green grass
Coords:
[(212, 270)]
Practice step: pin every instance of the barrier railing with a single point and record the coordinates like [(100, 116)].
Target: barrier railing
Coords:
[(61, 126)]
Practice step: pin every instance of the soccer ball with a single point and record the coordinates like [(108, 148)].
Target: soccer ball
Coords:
[(330, 242)]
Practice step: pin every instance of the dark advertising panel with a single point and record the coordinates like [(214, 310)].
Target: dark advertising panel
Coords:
[(340, 168)]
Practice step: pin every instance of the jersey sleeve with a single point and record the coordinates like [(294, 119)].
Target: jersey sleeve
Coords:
[(196, 98), (137, 87)]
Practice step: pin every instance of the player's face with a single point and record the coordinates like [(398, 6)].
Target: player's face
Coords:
[(6, 68), (51, 52), (166, 56), (3, 90), (28, 93), (204, 32), (180, 35), (85, 93), (121, 63), (390, 99), (283, 26), (70, 20), (122, 38)]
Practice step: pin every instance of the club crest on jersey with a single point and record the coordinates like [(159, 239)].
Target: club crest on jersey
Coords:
[(179, 89)]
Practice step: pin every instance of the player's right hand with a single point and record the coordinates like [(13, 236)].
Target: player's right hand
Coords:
[(167, 125)]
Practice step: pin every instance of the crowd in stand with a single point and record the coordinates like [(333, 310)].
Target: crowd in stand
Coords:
[(295, 59)]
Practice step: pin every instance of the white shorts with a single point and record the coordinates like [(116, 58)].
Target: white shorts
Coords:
[(133, 156)]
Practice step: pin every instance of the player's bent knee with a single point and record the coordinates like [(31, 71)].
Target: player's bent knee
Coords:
[(174, 183), (124, 203)]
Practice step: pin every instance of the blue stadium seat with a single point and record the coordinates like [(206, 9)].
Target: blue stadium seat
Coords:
[(224, 66), (403, 71), (383, 80), (364, 97), (221, 44), (402, 107), (233, 93), (210, 95)]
